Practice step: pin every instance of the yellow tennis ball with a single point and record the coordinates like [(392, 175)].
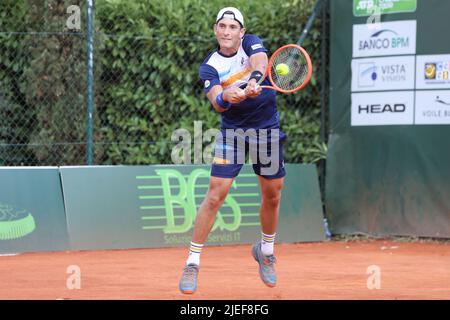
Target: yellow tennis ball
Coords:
[(282, 69)]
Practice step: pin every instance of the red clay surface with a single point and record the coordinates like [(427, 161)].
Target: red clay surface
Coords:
[(327, 270)]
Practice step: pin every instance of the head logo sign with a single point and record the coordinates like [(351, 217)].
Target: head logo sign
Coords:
[(170, 202), (15, 223)]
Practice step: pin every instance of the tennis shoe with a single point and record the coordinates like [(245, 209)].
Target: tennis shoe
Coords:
[(188, 281), (266, 266)]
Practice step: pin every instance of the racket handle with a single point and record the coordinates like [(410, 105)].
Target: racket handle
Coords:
[(268, 87)]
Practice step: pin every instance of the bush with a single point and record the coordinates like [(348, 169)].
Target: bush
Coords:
[(150, 82), (147, 55)]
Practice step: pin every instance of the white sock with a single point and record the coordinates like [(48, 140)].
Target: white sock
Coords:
[(194, 253), (267, 242)]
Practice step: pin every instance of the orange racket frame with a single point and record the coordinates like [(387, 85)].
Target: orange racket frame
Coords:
[(269, 67)]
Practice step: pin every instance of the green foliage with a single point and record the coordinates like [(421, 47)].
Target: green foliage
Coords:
[(44, 84), (14, 123), (55, 86), (147, 54), (152, 51)]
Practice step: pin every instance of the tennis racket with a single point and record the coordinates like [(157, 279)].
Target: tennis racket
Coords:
[(289, 69)]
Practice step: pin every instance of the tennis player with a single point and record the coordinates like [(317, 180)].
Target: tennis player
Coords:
[(249, 118)]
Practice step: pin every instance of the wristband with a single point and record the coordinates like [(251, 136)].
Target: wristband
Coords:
[(257, 75), (221, 102)]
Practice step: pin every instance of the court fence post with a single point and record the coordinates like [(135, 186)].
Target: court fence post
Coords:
[(90, 83)]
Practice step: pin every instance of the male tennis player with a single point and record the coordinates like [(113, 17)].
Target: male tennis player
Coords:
[(247, 111)]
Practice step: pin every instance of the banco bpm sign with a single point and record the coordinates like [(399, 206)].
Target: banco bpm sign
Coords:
[(383, 39)]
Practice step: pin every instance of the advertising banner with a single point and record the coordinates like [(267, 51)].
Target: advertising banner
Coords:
[(156, 206)]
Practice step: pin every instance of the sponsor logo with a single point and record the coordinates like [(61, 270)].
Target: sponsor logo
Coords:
[(367, 75), (437, 70), (207, 83), (391, 38), (363, 8), (169, 201), (217, 160), (430, 71), (382, 108), (440, 101), (433, 107), (391, 73), (257, 46), (15, 222), (384, 39), (433, 71)]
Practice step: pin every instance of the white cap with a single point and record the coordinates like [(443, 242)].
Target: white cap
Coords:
[(230, 13)]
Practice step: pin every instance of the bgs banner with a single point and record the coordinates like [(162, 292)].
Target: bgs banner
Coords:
[(156, 206), (32, 216)]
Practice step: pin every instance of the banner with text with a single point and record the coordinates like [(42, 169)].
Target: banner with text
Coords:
[(156, 206), (388, 156)]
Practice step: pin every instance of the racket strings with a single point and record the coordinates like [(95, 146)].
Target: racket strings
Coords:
[(298, 69)]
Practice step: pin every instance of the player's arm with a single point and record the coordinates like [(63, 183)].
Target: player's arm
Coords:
[(258, 65), (259, 62), (222, 99), (219, 98)]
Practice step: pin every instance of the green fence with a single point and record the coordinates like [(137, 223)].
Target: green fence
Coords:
[(145, 57)]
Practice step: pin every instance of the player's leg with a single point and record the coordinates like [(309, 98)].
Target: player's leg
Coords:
[(217, 192), (270, 170), (263, 251), (223, 171), (269, 211)]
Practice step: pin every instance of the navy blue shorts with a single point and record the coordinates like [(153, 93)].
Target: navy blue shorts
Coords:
[(264, 148)]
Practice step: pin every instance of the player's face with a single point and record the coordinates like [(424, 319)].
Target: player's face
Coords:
[(229, 33)]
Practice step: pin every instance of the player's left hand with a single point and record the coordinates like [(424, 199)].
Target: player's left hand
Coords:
[(252, 90)]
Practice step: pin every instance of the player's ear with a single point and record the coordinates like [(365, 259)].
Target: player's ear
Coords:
[(242, 32)]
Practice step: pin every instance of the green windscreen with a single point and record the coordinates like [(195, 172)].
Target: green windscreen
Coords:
[(388, 168)]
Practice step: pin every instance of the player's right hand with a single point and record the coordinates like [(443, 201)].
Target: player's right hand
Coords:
[(252, 90), (234, 95)]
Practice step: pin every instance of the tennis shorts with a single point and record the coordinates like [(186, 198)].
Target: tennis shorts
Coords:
[(263, 147)]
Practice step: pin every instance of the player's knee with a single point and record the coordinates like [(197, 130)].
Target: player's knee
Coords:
[(214, 201), (272, 199)]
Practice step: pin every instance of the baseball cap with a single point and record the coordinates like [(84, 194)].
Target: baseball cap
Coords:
[(230, 13)]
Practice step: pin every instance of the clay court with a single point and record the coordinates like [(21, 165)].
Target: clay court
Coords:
[(326, 270)]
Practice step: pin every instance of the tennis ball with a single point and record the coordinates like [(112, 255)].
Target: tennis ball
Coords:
[(282, 69)]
